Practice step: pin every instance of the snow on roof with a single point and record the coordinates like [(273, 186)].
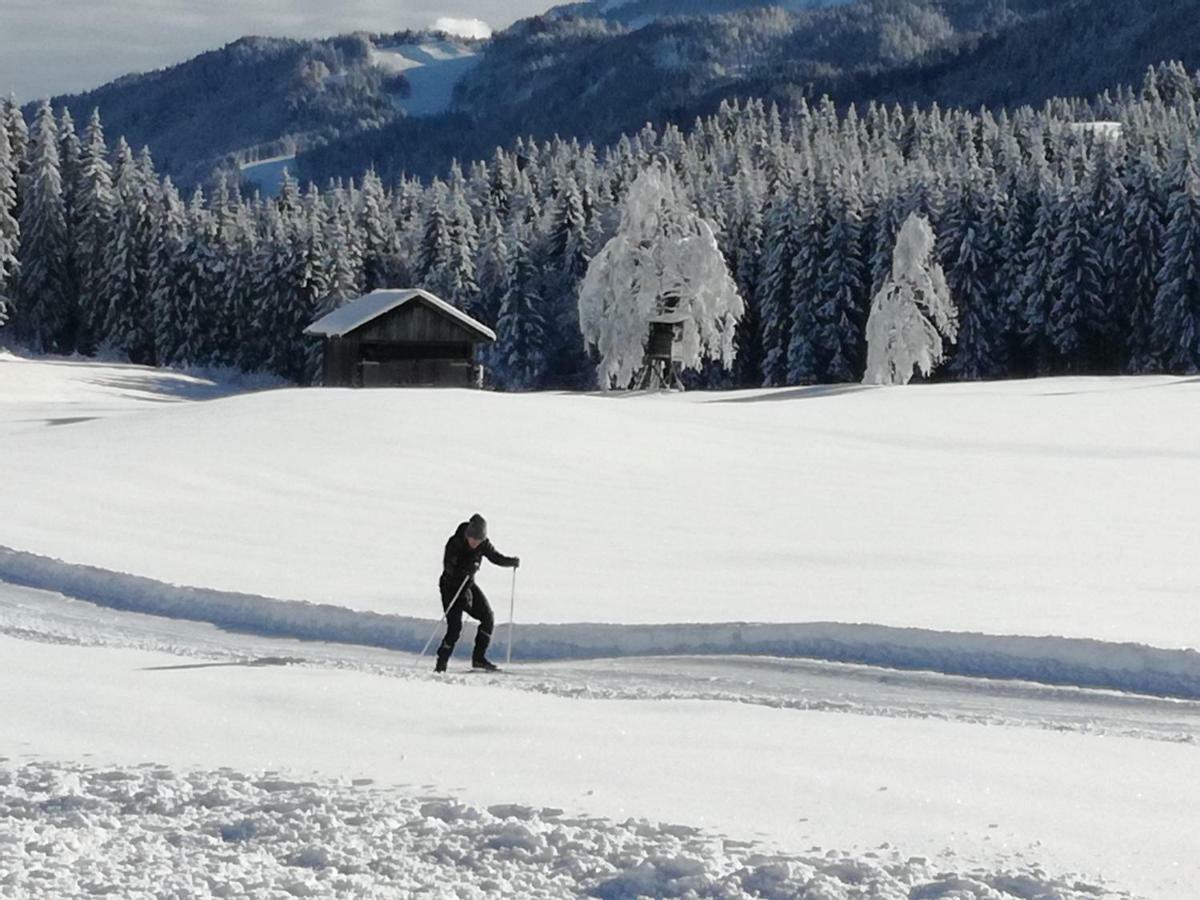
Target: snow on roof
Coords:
[(370, 306)]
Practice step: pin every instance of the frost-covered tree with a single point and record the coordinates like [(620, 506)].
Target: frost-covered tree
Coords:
[(129, 326), (1138, 249), (912, 314), (520, 354), (664, 260), (43, 302), (93, 215), (168, 267), (1177, 303), (1075, 279), (10, 230)]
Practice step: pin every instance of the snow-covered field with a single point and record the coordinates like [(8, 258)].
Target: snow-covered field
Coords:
[(1049, 519)]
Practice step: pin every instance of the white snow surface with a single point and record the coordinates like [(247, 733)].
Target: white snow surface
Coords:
[(152, 756), (267, 174), (432, 68)]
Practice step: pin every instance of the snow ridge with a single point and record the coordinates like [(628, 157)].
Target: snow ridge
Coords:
[(1049, 660), (73, 830)]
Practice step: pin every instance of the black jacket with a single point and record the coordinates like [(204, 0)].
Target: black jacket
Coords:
[(460, 561)]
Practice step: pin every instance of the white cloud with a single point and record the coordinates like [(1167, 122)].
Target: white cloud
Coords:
[(469, 28)]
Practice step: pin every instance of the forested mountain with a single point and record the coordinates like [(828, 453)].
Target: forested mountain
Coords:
[(264, 97), (594, 77), (596, 70), (641, 12)]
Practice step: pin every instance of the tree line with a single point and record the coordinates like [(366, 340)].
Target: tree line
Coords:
[(1069, 246)]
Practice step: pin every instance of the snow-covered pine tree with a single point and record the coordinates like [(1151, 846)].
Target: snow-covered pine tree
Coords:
[(781, 249), (664, 260), (743, 198), (379, 235), (12, 119), (566, 254), (841, 297), (43, 310), (1104, 339), (912, 314), (340, 274), (94, 211), (1177, 302), (1138, 252), (971, 241), (806, 351), (519, 356), (129, 326), (1032, 294), (1075, 278), (167, 272), (199, 272), (492, 268), (69, 166), (10, 230)]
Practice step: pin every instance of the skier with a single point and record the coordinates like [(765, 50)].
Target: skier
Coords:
[(463, 556)]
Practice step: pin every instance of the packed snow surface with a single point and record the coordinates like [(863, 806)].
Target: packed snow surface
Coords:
[(1058, 507), (149, 755)]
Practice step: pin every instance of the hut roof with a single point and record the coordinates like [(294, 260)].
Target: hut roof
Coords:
[(371, 306)]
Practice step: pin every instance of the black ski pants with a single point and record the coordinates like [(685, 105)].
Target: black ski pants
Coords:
[(474, 603)]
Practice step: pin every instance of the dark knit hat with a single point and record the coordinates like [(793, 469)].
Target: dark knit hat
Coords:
[(477, 527)]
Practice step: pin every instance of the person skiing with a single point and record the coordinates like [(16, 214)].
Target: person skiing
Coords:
[(463, 556)]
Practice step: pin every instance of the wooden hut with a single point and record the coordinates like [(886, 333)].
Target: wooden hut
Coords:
[(400, 338)]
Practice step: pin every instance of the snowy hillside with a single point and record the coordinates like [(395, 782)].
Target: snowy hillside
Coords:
[(314, 768), (432, 69)]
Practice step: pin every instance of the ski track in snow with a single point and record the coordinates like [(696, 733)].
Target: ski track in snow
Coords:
[(1050, 660), (71, 830), (772, 682)]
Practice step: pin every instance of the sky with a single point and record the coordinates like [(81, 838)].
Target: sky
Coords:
[(66, 46)]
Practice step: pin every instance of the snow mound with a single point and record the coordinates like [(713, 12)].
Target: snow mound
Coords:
[(1048, 660), (73, 830)]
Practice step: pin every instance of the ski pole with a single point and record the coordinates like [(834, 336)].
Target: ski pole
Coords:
[(438, 626), (512, 605)]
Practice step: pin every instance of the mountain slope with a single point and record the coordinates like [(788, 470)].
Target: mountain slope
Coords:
[(259, 98), (596, 70)]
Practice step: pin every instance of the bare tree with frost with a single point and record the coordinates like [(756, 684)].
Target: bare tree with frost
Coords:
[(913, 313), (663, 262)]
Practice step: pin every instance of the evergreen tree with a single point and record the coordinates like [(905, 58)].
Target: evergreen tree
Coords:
[(1034, 296), (782, 246), (1177, 303), (168, 273), (973, 232), (43, 309), (1138, 252), (10, 230), (1075, 278), (129, 325), (94, 212), (520, 352), (379, 234), (842, 293)]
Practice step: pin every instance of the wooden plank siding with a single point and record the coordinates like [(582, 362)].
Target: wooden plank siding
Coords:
[(414, 323), (415, 344)]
